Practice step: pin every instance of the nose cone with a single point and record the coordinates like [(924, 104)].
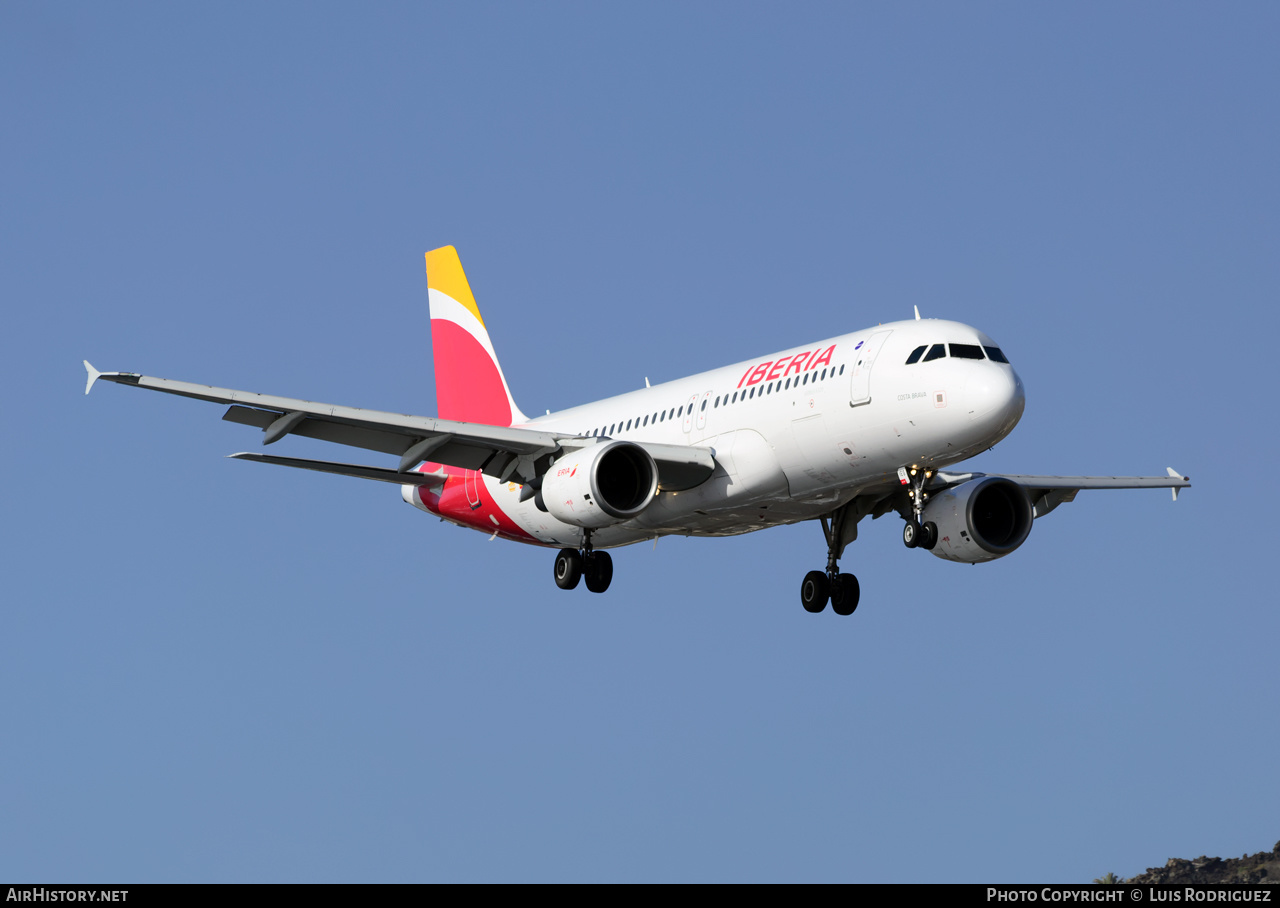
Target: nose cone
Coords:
[(994, 395)]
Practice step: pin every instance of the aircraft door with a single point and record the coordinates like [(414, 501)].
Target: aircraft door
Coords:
[(471, 480), (702, 411), (864, 357), (687, 425)]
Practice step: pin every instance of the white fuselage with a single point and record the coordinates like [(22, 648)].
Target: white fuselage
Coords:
[(794, 434)]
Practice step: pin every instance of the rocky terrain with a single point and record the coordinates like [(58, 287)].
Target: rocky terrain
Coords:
[(1263, 867)]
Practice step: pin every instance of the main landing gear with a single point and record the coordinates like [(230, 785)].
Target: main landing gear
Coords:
[(916, 534), (575, 564), (819, 587)]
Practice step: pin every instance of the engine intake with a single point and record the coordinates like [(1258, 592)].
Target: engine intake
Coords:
[(600, 485), (980, 520)]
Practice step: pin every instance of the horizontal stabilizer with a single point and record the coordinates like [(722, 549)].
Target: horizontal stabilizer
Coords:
[(381, 474)]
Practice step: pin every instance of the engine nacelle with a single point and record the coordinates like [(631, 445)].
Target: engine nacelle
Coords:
[(600, 485), (980, 520)]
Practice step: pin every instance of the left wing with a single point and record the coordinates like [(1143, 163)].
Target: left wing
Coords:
[(501, 452), (516, 454), (1047, 492), (508, 454)]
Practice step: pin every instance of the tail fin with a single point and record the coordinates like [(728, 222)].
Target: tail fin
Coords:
[(470, 386)]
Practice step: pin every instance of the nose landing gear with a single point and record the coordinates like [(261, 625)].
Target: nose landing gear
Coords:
[(820, 587), (917, 534), (573, 565)]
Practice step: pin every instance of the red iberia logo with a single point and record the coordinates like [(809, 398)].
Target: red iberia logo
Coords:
[(781, 368)]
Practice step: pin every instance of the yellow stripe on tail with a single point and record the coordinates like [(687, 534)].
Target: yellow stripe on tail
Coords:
[(444, 273)]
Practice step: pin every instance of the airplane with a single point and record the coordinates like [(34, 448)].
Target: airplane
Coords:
[(862, 424)]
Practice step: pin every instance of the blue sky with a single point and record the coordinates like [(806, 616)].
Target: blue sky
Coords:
[(223, 671)]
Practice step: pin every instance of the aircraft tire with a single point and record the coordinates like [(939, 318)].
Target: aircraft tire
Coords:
[(845, 593), (911, 534), (598, 571), (568, 569), (929, 538), (814, 591)]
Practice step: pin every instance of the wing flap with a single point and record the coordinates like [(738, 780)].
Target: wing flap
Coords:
[(381, 474)]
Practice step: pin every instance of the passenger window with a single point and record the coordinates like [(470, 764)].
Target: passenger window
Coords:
[(842, 368), (995, 354), (646, 421), (916, 354), (823, 375), (966, 351), (628, 428), (937, 351)]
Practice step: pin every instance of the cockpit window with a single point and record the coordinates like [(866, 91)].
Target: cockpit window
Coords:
[(937, 351), (995, 354), (966, 351), (916, 354)]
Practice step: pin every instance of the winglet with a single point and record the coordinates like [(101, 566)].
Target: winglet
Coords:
[(93, 376), (1176, 475), (917, 308)]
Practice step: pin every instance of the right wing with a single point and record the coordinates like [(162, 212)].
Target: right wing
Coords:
[(1047, 492), (517, 454)]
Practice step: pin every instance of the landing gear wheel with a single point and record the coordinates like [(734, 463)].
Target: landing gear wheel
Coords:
[(814, 591), (929, 536), (568, 568), (598, 571), (844, 594), (911, 534)]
